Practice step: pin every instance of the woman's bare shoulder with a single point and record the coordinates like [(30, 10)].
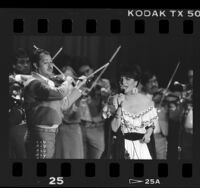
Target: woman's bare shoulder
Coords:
[(146, 100)]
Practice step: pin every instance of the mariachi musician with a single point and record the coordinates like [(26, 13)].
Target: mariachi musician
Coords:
[(69, 142), (151, 88), (91, 105), (44, 104), (17, 118), (169, 112), (186, 129), (85, 112), (175, 113)]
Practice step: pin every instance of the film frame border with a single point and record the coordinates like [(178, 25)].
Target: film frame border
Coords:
[(79, 29), (69, 23)]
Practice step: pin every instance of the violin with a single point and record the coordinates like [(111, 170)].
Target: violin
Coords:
[(97, 88), (186, 96), (59, 79), (87, 88), (169, 96)]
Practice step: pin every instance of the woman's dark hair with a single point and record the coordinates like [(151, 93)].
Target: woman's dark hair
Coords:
[(132, 71), (146, 76)]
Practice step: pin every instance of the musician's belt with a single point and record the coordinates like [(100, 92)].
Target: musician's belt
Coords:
[(44, 128), (90, 124), (69, 123)]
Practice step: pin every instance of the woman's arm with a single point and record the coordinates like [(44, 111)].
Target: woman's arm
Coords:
[(147, 137), (116, 121), (115, 124), (44, 92), (149, 131), (150, 117)]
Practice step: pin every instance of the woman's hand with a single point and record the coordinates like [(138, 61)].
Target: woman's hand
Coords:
[(120, 99), (146, 138)]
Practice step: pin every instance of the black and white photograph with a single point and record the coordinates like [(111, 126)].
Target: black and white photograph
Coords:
[(101, 97)]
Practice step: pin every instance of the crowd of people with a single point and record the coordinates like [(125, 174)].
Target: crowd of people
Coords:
[(75, 116)]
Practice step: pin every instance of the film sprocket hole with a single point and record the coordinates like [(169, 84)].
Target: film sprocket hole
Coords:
[(122, 111)]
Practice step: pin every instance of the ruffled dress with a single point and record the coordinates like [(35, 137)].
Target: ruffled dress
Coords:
[(132, 129)]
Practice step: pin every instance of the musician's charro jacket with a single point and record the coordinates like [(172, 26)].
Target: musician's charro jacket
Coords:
[(44, 102)]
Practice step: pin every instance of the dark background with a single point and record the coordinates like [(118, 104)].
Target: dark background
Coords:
[(159, 54)]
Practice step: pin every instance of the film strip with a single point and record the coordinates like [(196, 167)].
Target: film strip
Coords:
[(97, 33)]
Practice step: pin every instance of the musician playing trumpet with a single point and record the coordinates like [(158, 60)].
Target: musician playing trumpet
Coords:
[(44, 104)]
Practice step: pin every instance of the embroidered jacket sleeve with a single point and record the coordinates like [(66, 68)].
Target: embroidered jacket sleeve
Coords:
[(69, 100), (45, 92)]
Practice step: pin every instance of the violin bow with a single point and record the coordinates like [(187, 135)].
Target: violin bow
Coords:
[(104, 67), (58, 70), (107, 64), (169, 83), (97, 79), (56, 54)]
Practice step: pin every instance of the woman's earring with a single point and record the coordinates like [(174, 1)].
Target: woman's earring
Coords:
[(135, 90)]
